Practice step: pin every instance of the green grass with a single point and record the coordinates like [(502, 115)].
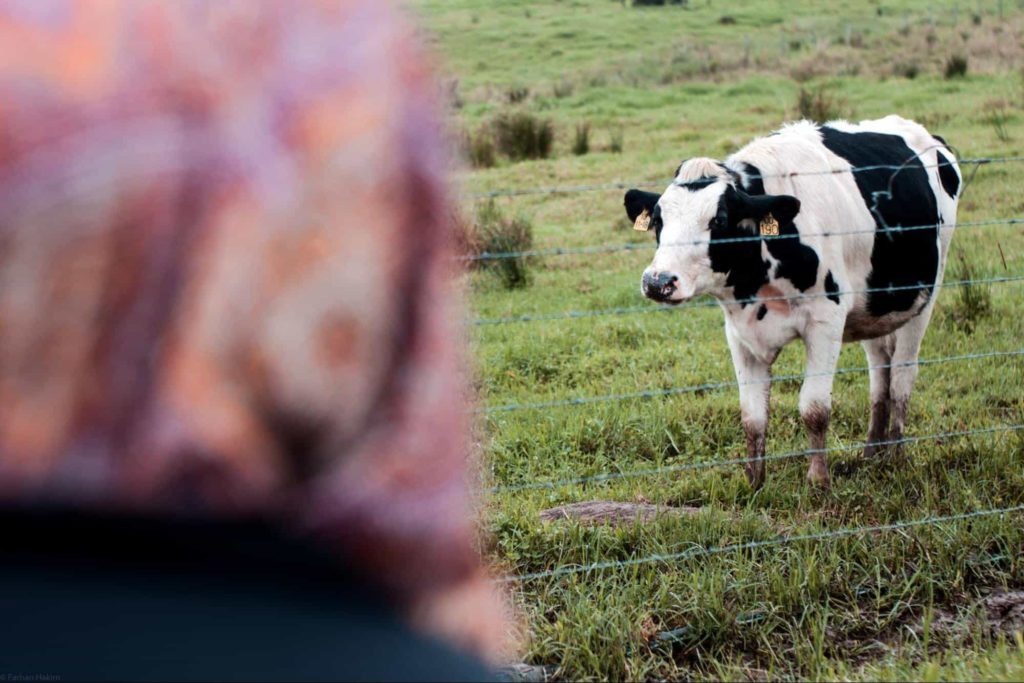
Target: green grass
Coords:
[(851, 608)]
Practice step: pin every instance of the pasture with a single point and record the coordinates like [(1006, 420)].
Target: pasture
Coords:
[(864, 597)]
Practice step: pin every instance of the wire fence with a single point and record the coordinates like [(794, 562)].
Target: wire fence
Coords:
[(704, 551), (601, 477)]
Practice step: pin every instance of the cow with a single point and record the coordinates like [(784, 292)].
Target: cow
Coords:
[(828, 233)]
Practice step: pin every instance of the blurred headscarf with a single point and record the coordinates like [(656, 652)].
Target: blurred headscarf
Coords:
[(224, 277)]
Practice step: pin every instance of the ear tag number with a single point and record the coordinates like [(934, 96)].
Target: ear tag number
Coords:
[(769, 226), (643, 222)]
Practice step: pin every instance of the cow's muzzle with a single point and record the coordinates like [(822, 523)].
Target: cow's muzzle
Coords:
[(659, 286)]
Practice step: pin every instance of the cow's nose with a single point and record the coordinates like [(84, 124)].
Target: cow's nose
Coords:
[(659, 286)]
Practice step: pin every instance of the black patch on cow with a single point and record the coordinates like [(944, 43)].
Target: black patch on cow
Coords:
[(699, 184), (762, 312), (798, 263), (831, 288), (947, 174), (897, 197), (747, 270), (942, 140), (755, 182), (656, 223), (679, 168)]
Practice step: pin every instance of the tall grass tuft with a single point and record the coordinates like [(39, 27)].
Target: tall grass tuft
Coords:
[(817, 105), (581, 142), (617, 142), (479, 148), (495, 233), (563, 88), (998, 116), (956, 66), (515, 95), (973, 302), (520, 135), (908, 69)]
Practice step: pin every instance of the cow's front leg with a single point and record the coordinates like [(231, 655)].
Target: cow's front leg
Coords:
[(823, 343), (754, 378)]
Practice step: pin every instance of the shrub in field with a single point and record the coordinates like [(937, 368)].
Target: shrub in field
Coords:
[(972, 302), (515, 95), (562, 89), (520, 135), (817, 105), (616, 144), (956, 66), (480, 148), (493, 233), (908, 70), (581, 143)]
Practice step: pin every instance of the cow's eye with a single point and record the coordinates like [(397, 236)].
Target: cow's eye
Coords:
[(715, 224)]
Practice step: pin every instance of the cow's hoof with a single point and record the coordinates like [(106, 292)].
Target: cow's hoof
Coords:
[(755, 474), (817, 476), (873, 451)]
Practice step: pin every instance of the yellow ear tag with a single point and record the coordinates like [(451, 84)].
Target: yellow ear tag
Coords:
[(643, 222), (769, 226)]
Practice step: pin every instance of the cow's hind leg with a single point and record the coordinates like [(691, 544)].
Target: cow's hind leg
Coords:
[(823, 342), (754, 378), (879, 352), (904, 372)]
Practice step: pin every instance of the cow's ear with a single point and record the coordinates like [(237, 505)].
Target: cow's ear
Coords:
[(782, 207), (638, 201)]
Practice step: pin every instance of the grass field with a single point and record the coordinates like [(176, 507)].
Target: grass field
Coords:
[(673, 82)]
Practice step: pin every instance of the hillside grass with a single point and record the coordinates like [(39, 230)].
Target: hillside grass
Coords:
[(858, 607)]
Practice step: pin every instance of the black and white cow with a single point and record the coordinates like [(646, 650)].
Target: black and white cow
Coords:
[(818, 235)]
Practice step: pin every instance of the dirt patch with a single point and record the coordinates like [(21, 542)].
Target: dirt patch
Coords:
[(1005, 612), (1001, 613), (596, 512)]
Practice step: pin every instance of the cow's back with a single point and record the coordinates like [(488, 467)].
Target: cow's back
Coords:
[(885, 186)]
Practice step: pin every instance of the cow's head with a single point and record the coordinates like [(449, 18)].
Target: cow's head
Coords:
[(696, 222)]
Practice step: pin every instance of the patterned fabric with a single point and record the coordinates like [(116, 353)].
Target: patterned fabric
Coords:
[(223, 270)]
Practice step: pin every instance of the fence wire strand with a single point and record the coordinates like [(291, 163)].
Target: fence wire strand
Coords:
[(712, 303), (647, 246), (713, 386), (623, 185), (790, 455), (754, 545)]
